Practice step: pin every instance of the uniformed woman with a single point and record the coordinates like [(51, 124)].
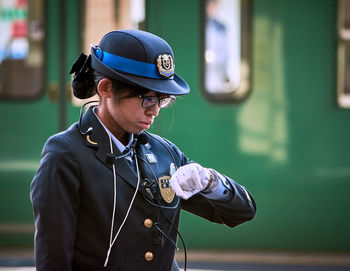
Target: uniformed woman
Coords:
[(108, 194)]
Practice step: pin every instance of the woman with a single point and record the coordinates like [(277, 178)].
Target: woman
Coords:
[(108, 194)]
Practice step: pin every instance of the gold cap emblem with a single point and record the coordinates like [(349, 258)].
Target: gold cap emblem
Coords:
[(165, 65)]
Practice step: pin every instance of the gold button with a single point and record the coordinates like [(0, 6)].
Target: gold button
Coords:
[(148, 223), (149, 256)]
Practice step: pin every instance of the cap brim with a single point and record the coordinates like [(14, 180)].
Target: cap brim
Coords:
[(175, 86)]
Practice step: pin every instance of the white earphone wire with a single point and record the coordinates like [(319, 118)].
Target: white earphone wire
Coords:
[(111, 242)]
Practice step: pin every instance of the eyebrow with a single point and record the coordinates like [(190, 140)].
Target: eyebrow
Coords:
[(157, 94)]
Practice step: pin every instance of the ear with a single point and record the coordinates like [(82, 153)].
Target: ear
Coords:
[(105, 88)]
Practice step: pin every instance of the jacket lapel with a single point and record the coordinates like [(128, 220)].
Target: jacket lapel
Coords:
[(147, 171)]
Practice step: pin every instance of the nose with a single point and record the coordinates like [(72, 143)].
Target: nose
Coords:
[(154, 110)]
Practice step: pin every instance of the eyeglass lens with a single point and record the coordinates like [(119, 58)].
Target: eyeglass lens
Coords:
[(162, 102)]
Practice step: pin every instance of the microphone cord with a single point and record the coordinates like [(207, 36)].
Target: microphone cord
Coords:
[(165, 146), (172, 241), (170, 222), (154, 175), (111, 242), (89, 130)]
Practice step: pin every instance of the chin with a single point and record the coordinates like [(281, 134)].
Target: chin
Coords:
[(136, 131)]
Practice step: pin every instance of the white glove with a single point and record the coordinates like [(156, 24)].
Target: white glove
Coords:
[(189, 180)]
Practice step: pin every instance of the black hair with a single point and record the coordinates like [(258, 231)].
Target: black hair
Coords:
[(85, 85)]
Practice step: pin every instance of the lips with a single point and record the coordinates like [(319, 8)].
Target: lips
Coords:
[(145, 124)]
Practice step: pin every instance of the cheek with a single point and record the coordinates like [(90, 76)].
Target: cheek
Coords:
[(129, 112)]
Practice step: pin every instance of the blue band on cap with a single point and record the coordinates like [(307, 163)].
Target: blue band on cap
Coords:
[(131, 66)]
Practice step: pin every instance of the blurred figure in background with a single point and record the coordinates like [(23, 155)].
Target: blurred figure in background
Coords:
[(216, 51)]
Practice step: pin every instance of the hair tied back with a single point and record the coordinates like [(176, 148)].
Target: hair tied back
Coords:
[(81, 66), (83, 79)]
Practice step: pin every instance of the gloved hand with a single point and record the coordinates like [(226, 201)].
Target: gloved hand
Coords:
[(189, 180)]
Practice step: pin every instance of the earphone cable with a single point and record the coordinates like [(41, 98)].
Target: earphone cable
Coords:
[(89, 130), (127, 213), (171, 223)]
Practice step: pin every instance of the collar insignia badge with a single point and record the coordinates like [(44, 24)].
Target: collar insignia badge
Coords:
[(151, 158), (88, 139)]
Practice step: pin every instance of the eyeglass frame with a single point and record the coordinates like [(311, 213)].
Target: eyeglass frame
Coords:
[(158, 100)]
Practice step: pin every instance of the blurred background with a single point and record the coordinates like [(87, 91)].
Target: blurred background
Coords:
[(269, 106)]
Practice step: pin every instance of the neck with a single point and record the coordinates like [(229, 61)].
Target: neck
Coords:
[(119, 133), (124, 138)]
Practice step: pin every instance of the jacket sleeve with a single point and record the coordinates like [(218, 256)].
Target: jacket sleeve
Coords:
[(55, 198), (239, 208)]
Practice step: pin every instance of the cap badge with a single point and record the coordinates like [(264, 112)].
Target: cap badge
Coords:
[(165, 65)]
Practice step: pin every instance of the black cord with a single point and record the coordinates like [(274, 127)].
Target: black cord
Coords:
[(89, 130), (167, 236), (161, 142), (154, 175), (171, 223), (178, 233)]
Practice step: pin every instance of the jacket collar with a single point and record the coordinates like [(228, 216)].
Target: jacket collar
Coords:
[(100, 140)]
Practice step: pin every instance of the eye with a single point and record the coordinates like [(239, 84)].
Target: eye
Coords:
[(150, 101), (166, 101)]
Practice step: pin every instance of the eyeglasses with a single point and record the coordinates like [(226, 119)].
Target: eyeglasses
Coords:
[(163, 102)]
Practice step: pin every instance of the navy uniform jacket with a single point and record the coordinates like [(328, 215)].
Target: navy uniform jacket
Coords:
[(72, 196)]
